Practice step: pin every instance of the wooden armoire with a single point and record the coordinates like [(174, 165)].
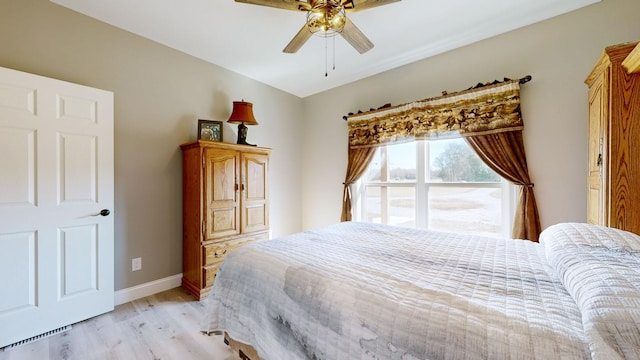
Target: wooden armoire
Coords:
[(613, 197), (225, 205)]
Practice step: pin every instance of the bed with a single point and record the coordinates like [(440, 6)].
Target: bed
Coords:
[(369, 291)]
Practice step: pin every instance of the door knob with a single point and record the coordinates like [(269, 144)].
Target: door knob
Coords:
[(103, 212)]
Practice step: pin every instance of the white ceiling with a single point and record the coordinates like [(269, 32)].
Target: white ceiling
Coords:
[(249, 39)]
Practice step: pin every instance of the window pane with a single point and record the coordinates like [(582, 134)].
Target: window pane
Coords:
[(402, 206), (373, 205), (375, 168), (466, 210), (402, 162), (453, 161)]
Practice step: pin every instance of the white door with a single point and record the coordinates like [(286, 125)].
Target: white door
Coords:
[(56, 175)]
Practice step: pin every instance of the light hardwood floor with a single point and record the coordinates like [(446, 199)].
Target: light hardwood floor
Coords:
[(162, 326)]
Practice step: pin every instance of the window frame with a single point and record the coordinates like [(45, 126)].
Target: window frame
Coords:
[(422, 186)]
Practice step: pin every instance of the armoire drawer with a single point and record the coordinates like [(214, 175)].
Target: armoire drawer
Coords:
[(215, 252)]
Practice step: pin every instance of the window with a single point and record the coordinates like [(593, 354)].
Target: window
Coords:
[(438, 185)]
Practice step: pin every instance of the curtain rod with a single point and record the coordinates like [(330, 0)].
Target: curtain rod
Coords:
[(522, 80), (525, 79)]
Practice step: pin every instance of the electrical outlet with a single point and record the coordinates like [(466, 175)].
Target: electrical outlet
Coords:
[(136, 264)]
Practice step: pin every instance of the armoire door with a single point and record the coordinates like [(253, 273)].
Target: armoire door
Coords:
[(254, 192), (221, 189), (56, 178), (597, 152)]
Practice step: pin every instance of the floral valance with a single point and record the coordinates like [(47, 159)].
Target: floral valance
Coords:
[(477, 111)]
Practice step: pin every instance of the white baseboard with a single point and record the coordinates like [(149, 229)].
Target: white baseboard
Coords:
[(147, 289)]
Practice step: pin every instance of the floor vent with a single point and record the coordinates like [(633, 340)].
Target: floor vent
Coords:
[(37, 337)]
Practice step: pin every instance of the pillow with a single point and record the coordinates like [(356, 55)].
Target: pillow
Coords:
[(580, 234)]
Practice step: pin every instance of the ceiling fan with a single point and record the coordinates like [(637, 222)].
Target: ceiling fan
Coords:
[(326, 18)]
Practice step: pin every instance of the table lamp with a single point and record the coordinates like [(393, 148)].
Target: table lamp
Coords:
[(242, 115)]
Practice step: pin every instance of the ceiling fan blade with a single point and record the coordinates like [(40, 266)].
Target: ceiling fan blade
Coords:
[(359, 5), (280, 4), (355, 37), (296, 43)]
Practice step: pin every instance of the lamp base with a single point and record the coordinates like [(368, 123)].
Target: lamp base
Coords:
[(242, 135)]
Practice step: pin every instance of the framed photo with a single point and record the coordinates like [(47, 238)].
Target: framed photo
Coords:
[(210, 130)]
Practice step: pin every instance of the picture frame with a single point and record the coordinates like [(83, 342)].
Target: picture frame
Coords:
[(209, 130)]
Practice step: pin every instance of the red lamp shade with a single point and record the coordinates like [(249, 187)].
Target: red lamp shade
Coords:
[(242, 114)]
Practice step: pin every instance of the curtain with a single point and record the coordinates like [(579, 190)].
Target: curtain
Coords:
[(504, 153), (359, 160), (487, 116)]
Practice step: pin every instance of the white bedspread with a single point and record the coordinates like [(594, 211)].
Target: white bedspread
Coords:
[(365, 291)]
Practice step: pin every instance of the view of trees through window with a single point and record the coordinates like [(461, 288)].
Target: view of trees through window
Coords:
[(459, 163), (440, 185)]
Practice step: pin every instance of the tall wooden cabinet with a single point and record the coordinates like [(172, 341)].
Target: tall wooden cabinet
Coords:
[(613, 197), (225, 205)]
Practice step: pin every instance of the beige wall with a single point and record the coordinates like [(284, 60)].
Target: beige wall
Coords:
[(159, 95), (558, 53)]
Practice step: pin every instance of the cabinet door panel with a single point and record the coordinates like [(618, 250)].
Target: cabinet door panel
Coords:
[(255, 212), (221, 205)]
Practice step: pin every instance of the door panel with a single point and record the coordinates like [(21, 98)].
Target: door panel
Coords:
[(18, 170), (18, 99), (17, 272), (56, 257), (76, 109), (77, 169), (78, 260)]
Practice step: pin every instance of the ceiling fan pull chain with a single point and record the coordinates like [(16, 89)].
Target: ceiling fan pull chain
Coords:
[(325, 58), (334, 53)]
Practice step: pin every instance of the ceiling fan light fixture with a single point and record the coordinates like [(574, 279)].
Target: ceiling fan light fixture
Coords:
[(339, 20), (326, 18)]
